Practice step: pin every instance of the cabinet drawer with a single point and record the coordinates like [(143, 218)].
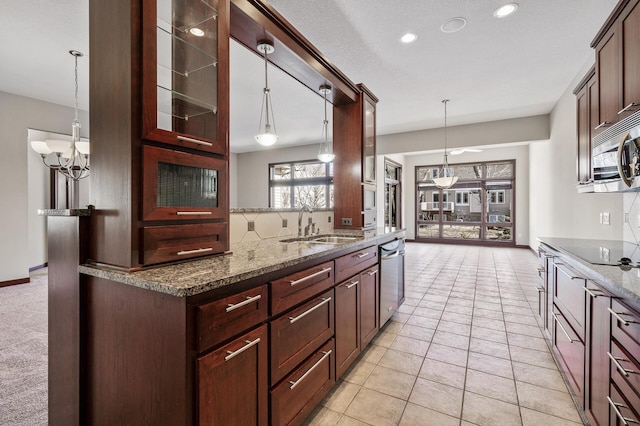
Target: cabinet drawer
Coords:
[(570, 351), (219, 320), (570, 296), (625, 372), (620, 412), (347, 322), (295, 288), (300, 332), (625, 328), (351, 264), (369, 305), (294, 399), (176, 242)]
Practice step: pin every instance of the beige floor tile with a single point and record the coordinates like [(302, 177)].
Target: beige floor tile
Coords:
[(410, 345), (406, 309), (390, 382), (417, 332), (391, 327), (423, 321), (450, 339), (536, 418), (492, 365), (454, 327), (529, 342), (545, 377), (492, 324), (376, 408), (531, 356), (373, 353), (323, 417), (547, 401), (401, 361), (456, 317), (359, 372), (514, 309), (492, 386), (341, 396), (466, 310), (442, 372), (417, 415), (400, 317), (459, 302), (488, 347), (485, 411), (497, 336), (487, 313), (448, 354), (437, 396), (521, 318), (350, 421), (428, 312), (386, 339), (527, 330), (410, 301), (489, 306)]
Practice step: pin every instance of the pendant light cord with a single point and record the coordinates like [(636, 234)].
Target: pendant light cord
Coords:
[(266, 86), (76, 92), (446, 162)]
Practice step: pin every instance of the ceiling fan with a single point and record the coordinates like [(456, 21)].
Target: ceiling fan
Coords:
[(461, 150)]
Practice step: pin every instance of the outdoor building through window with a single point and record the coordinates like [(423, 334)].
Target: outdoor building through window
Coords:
[(301, 183)]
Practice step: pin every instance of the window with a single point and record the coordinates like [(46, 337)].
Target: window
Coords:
[(301, 183), (462, 198), (496, 197)]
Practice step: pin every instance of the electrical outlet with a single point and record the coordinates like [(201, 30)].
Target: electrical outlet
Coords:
[(605, 218), (346, 221), (251, 226)]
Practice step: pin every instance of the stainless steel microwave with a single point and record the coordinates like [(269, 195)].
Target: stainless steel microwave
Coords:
[(616, 157)]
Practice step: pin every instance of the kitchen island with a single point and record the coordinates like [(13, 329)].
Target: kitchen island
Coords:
[(252, 337)]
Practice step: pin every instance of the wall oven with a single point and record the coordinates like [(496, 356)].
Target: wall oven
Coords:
[(616, 157)]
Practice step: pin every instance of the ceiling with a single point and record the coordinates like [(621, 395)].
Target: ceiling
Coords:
[(490, 70)]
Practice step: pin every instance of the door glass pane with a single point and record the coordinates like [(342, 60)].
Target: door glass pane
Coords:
[(499, 170), (301, 171), (502, 233), (468, 171), (185, 186), (465, 232), (369, 149), (428, 231)]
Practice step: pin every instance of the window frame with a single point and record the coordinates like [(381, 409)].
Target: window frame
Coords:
[(294, 182)]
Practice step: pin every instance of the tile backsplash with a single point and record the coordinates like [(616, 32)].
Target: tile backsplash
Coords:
[(631, 207), (268, 223)]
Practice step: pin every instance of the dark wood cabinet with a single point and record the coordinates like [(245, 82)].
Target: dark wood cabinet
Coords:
[(630, 35), (295, 288), (177, 242), (569, 297), (369, 305), (587, 117), (232, 382), (348, 294), (351, 264), (597, 359), (608, 73)]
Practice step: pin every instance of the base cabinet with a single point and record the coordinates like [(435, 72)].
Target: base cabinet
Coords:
[(369, 311), (232, 382), (348, 294)]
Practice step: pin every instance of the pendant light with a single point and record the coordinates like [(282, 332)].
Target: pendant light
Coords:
[(266, 137), (326, 154), (446, 179)]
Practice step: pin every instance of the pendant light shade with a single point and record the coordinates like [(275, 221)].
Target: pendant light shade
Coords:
[(266, 135), (325, 154), (446, 178)]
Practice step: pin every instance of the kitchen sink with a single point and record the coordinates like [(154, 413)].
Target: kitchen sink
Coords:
[(322, 239)]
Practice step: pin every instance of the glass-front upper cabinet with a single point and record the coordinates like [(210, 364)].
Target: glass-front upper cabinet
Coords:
[(369, 142), (186, 73)]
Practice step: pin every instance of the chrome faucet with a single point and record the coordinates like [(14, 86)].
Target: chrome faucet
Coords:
[(303, 209)]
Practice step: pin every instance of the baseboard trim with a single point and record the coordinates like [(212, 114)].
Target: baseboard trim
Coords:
[(14, 282), (35, 268)]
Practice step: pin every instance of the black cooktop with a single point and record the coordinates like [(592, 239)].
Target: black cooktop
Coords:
[(608, 252)]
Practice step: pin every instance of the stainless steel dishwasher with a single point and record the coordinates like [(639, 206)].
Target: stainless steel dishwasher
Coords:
[(391, 278)]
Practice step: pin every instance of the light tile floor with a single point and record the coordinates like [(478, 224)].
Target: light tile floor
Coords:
[(464, 349)]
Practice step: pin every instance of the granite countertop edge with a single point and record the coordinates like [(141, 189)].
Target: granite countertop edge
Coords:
[(620, 283), (247, 260)]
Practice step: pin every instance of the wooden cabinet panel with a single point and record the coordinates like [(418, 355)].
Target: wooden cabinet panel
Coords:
[(176, 242), (347, 323), (349, 265), (295, 288), (621, 413), (220, 320), (587, 118), (625, 373), (232, 382), (630, 29), (570, 297), (369, 319), (608, 72), (295, 398), (597, 363), (570, 352), (299, 333), (625, 327)]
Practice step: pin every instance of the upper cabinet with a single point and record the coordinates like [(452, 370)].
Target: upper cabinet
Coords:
[(587, 117), (618, 65), (369, 140), (185, 73)]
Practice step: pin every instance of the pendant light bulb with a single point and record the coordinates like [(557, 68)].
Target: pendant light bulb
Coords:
[(266, 136), (325, 154), (446, 179)]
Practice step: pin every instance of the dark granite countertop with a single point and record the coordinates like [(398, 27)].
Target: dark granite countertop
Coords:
[(248, 260), (621, 283)]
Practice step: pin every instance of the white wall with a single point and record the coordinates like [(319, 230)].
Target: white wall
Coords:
[(17, 114)]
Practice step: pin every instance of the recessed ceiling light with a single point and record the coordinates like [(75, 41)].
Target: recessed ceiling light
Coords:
[(505, 10), (452, 25), (196, 32), (408, 38)]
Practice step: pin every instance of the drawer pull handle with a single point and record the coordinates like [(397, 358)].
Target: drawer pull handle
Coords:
[(591, 293), (232, 307), (615, 405), (573, 277), (348, 286), (628, 107), (202, 250), (199, 142), (622, 320), (249, 344), (603, 124), (619, 366), (373, 272), (540, 269), (361, 255), (191, 213), (308, 277), (562, 328), (540, 289), (308, 311), (313, 367)]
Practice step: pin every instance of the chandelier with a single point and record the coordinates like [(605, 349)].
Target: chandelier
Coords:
[(266, 137), (326, 154), (446, 178)]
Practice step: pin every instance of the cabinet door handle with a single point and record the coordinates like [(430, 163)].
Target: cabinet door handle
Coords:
[(199, 142), (573, 277), (361, 255), (249, 344), (191, 213), (353, 283), (625, 421), (540, 289), (372, 272), (308, 277), (202, 250), (313, 367), (622, 320), (232, 307), (619, 366), (562, 328), (308, 311), (628, 107), (540, 269), (591, 293), (603, 124)]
